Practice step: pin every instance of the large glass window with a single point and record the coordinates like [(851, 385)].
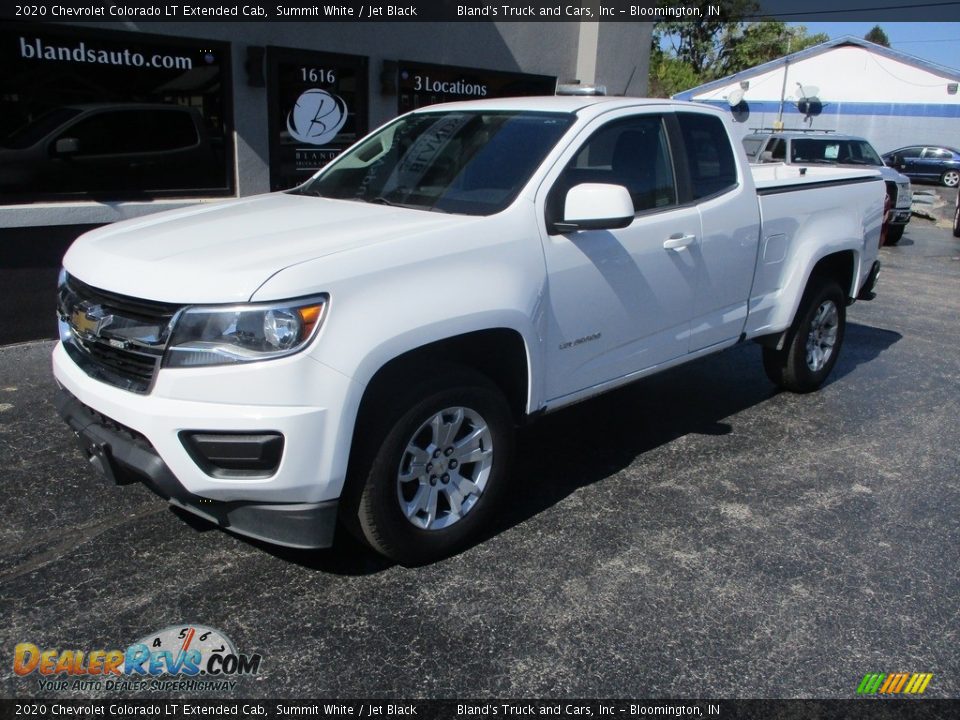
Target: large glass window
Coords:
[(632, 152), (317, 108), (87, 113), (709, 155), (421, 85), (832, 151), (473, 163)]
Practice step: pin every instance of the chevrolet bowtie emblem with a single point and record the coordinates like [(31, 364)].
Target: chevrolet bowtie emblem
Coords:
[(90, 321)]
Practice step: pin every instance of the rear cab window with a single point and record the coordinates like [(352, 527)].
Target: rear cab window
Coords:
[(710, 160)]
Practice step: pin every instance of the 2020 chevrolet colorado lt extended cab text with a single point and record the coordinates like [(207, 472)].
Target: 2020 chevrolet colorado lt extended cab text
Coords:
[(360, 348)]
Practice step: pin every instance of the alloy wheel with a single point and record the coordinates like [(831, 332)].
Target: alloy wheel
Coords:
[(822, 336), (444, 468)]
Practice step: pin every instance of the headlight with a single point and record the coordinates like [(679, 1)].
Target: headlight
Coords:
[(243, 333)]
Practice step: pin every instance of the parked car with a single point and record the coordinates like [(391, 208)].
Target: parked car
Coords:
[(360, 348), (100, 147), (937, 163), (824, 147)]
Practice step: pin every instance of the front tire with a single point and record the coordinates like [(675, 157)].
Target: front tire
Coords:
[(951, 178), (813, 343), (438, 467)]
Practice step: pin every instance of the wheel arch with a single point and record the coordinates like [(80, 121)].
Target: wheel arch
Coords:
[(840, 266), (501, 354)]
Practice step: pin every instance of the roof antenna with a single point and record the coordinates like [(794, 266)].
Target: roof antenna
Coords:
[(629, 80)]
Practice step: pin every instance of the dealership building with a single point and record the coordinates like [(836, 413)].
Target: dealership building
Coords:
[(104, 121), (847, 85), (252, 94)]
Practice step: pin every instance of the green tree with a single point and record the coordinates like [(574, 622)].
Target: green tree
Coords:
[(668, 75), (687, 54), (761, 42), (878, 36), (699, 44)]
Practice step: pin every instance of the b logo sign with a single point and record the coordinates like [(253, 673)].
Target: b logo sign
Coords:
[(316, 117)]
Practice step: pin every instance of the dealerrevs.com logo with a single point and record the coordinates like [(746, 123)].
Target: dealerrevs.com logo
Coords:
[(178, 658)]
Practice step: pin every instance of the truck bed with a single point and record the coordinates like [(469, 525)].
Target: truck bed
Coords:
[(779, 176), (802, 209)]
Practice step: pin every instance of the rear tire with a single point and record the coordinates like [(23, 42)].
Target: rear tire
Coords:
[(438, 459), (951, 178), (813, 342), (894, 233)]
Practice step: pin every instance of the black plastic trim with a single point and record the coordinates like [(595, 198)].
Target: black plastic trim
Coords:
[(777, 189), (118, 452), (234, 454), (867, 291)]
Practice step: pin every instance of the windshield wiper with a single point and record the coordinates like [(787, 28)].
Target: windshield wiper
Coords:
[(305, 191)]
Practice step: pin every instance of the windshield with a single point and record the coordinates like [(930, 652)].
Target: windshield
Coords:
[(473, 163), (832, 151), (27, 135), (752, 146)]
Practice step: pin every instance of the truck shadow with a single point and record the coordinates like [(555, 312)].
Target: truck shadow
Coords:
[(592, 441), (589, 442)]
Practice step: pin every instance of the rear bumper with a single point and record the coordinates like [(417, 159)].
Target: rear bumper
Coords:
[(124, 456), (898, 216)]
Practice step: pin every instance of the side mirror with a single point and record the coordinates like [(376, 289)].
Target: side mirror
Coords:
[(767, 156), (67, 146), (596, 206)]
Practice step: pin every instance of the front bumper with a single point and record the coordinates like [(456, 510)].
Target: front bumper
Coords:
[(121, 454), (308, 403)]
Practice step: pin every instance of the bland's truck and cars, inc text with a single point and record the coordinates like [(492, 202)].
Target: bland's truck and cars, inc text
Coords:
[(359, 349)]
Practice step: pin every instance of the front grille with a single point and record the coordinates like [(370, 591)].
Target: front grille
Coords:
[(114, 338), (124, 362)]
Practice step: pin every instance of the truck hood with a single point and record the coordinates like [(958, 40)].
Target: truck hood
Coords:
[(222, 252)]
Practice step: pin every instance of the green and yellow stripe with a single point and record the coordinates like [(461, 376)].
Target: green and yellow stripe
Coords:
[(894, 683)]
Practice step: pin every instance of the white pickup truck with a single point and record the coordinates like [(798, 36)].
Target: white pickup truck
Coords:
[(359, 349)]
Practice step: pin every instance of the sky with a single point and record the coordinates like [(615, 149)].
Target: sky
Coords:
[(937, 42)]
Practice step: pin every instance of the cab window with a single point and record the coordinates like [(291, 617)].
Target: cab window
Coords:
[(710, 161), (633, 152)]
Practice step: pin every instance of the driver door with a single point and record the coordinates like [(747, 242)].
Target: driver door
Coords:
[(620, 301)]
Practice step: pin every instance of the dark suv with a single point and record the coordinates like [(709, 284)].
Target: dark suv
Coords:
[(824, 147), (118, 148)]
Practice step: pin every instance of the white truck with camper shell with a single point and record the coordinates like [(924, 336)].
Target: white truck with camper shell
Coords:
[(359, 349)]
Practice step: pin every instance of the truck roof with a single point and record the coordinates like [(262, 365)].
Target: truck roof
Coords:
[(803, 135), (563, 104)]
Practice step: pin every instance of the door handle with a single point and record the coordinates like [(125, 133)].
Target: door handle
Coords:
[(678, 241)]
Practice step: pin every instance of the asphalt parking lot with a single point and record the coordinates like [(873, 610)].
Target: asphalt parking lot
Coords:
[(694, 535)]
